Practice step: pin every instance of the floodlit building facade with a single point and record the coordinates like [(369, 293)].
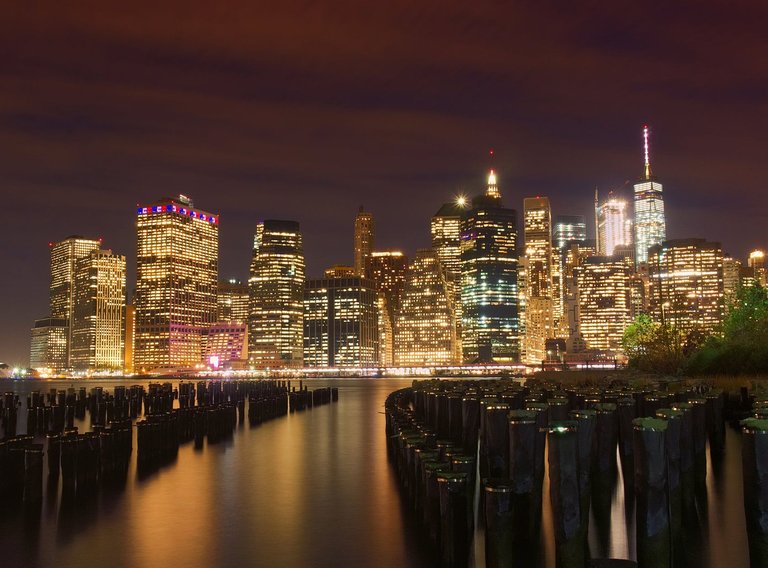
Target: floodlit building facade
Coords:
[(365, 232), (177, 270), (569, 228), (757, 269), (650, 224), (686, 284), (340, 322), (445, 230), (98, 323), (276, 292), (614, 227), (489, 294), (604, 292), (225, 345), (425, 334)]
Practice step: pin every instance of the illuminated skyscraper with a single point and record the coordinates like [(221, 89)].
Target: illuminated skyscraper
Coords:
[(340, 322), (650, 226), (569, 228), (98, 323), (613, 226), (604, 291), (686, 284), (64, 257), (539, 303), (757, 269), (177, 270), (232, 301), (130, 334), (445, 229), (48, 350), (276, 289), (489, 295), (732, 271), (387, 271), (425, 334), (364, 239)]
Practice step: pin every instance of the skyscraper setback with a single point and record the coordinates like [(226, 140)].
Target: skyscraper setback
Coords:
[(276, 291), (650, 225), (177, 269), (364, 239)]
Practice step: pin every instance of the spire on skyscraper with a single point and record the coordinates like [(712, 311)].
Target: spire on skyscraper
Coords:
[(492, 189), (647, 157)]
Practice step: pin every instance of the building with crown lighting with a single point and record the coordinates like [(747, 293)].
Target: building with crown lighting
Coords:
[(276, 291), (614, 228), (177, 272), (604, 302), (686, 284), (650, 225), (98, 322), (64, 257), (489, 294), (340, 322), (425, 334), (756, 267), (365, 232)]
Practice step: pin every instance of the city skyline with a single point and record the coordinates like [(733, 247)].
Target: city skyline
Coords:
[(281, 114)]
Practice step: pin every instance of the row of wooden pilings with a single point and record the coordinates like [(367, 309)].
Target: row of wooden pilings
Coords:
[(467, 450), (207, 410)]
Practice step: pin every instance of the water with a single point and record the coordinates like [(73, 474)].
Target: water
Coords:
[(309, 489)]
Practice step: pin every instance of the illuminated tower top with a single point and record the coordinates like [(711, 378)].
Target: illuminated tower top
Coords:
[(647, 155), (492, 190)]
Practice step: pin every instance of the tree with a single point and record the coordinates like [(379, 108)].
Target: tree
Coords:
[(654, 347)]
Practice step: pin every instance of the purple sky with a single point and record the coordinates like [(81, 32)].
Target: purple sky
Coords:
[(306, 110)]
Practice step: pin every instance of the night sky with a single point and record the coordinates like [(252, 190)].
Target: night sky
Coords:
[(306, 110)]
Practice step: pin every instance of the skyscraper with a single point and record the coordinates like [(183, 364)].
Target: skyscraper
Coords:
[(425, 334), (276, 291), (489, 295), (445, 229), (686, 284), (539, 307), (569, 228), (732, 271), (232, 301), (364, 239), (386, 269), (48, 349), (756, 266), (650, 225), (604, 292), (98, 323), (614, 227), (340, 322), (177, 269), (64, 257)]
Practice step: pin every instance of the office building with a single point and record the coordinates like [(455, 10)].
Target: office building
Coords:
[(48, 349), (489, 296), (539, 306), (177, 270), (364, 239), (650, 224), (425, 334), (686, 284), (225, 345), (340, 322), (569, 228), (604, 292), (276, 291), (232, 301), (98, 315), (614, 228)]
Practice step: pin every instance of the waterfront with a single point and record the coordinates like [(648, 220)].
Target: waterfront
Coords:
[(308, 489)]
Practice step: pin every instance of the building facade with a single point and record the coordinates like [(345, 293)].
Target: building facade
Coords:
[(539, 299), (232, 301), (686, 284), (64, 257), (604, 291), (98, 322), (365, 232), (48, 350), (276, 294), (614, 228), (425, 334), (569, 228), (177, 270), (489, 294), (340, 322), (225, 345), (650, 224)]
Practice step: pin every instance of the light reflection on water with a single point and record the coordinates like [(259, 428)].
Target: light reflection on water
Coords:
[(309, 489)]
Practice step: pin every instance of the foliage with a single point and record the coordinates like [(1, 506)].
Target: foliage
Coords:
[(742, 347), (654, 347)]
